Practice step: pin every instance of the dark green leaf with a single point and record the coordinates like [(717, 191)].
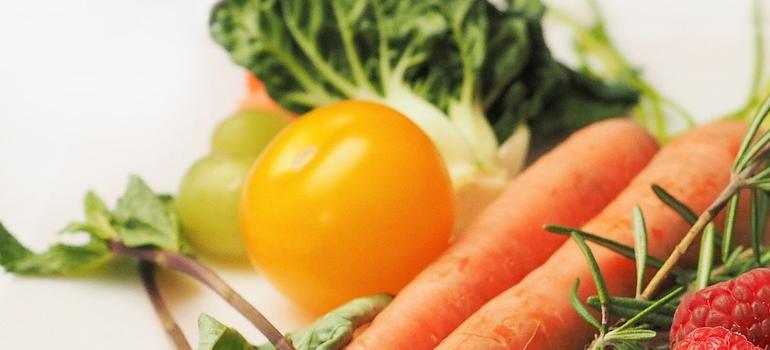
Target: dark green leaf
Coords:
[(601, 286), (434, 54), (580, 308), (640, 247), (685, 212), (146, 219), (216, 336), (60, 259)]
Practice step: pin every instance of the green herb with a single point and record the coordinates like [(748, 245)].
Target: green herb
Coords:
[(601, 286), (706, 257), (216, 336), (330, 332), (630, 307), (144, 226), (466, 72), (640, 247), (686, 213), (60, 259), (616, 247), (732, 210)]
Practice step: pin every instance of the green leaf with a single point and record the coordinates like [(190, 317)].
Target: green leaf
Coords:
[(685, 212), (59, 259), (580, 308), (650, 309), (216, 336), (706, 256), (335, 329), (640, 247), (601, 286), (146, 219), (98, 219), (730, 219)]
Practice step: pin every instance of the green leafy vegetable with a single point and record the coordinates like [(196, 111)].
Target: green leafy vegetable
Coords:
[(463, 70), (333, 331)]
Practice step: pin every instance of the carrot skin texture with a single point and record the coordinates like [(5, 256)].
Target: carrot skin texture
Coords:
[(568, 186), (536, 313)]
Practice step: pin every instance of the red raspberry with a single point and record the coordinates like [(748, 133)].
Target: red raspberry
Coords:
[(741, 305), (714, 338)]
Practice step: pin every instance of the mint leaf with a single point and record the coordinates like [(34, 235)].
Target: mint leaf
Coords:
[(60, 259), (98, 219), (216, 336), (331, 332), (335, 329), (146, 219)]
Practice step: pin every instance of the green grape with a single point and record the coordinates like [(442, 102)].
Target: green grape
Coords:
[(247, 132), (208, 202)]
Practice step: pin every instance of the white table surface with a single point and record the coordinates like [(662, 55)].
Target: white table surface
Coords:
[(94, 90)]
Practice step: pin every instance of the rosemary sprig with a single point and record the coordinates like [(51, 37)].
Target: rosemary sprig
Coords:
[(751, 157)]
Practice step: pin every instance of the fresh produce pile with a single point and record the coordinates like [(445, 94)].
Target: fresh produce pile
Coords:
[(379, 163)]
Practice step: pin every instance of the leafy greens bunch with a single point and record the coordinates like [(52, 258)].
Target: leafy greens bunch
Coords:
[(467, 72)]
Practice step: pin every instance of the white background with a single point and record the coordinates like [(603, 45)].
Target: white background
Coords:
[(94, 90)]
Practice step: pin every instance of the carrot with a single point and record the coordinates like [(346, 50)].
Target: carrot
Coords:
[(257, 97), (569, 185), (536, 313)]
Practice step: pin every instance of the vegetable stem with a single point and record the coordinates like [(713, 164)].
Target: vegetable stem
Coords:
[(736, 183), (147, 273), (193, 268), (350, 49)]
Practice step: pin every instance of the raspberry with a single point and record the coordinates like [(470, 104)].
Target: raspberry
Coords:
[(714, 338), (741, 305)]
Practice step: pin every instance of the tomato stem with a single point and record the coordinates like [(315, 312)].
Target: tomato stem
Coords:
[(197, 270), (147, 272)]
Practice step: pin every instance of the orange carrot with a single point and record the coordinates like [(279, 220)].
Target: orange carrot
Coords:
[(569, 185), (536, 313), (257, 97)]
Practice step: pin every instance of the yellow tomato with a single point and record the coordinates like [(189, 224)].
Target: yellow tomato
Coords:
[(349, 200)]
